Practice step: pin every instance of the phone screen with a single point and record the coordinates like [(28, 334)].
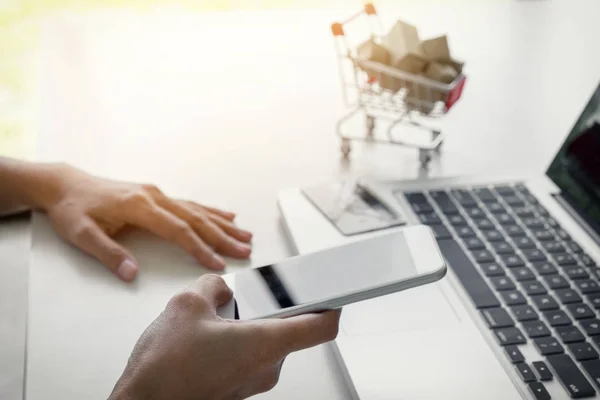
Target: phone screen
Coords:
[(318, 277)]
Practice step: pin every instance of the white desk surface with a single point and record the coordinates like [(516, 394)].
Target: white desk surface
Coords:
[(228, 109)]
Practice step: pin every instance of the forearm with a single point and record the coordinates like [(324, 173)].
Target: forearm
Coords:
[(25, 185)]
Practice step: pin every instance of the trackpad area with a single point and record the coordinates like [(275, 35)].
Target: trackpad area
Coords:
[(424, 307)]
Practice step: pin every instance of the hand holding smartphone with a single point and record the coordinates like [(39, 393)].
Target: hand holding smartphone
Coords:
[(338, 276)]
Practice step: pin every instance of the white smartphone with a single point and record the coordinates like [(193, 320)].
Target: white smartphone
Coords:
[(335, 277)]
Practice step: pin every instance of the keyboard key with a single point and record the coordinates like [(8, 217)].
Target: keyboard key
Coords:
[(533, 223), (475, 212), (513, 201), (570, 376), (564, 259), (524, 243), (512, 260), (587, 260), (492, 269), (580, 311), (441, 232), (525, 372), (503, 248), (535, 329), (595, 271), (514, 231), (513, 298), (504, 190), (575, 272), (563, 234), (495, 207), (509, 336), (548, 345), (524, 313), (522, 274), (541, 210), (557, 318), (574, 247), (568, 296), (474, 244), (552, 222), (416, 198), (545, 268), (534, 255), (545, 302), (429, 218), (553, 247), (542, 371), (595, 300), (456, 220), (464, 197), (596, 339), (524, 211), (464, 232), (484, 194), (505, 219), (514, 354), (587, 286), (592, 367), (556, 282), (483, 256), (521, 188), (583, 351), (444, 202), (533, 288), (569, 334), (543, 235), (484, 224), (497, 318), (591, 326), (493, 236), (480, 293), (538, 391)]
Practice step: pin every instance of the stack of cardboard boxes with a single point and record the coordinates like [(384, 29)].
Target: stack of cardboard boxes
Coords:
[(402, 49)]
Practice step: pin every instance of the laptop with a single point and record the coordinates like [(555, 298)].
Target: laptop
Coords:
[(518, 315)]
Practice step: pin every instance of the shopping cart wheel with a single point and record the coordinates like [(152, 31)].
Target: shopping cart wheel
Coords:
[(370, 125), (434, 135), (345, 147), (424, 157)]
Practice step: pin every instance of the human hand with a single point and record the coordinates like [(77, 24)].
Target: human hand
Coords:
[(190, 353), (88, 212)]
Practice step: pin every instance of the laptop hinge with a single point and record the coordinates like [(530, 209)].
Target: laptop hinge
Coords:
[(580, 218)]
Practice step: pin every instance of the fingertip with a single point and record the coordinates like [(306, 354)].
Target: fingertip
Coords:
[(218, 263), (127, 270), (245, 236)]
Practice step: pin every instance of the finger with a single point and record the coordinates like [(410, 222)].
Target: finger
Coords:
[(172, 228), (230, 228), (89, 237), (229, 216), (213, 288), (304, 331), (208, 230)]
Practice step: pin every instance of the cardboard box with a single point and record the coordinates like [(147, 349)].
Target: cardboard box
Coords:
[(444, 73), (437, 49), (405, 53)]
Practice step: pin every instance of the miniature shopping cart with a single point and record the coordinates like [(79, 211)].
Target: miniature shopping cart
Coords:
[(379, 92)]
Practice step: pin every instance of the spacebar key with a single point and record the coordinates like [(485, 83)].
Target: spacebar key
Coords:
[(471, 279), (571, 377)]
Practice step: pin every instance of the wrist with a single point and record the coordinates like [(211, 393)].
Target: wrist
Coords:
[(31, 185)]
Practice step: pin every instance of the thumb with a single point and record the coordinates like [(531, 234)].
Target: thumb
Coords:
[(89, 237)]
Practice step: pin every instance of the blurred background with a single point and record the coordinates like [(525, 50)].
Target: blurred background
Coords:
[(20, 26)]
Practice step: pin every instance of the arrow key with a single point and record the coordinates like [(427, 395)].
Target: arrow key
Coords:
[(539, 391)]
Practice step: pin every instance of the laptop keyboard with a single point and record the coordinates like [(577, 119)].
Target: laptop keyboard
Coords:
[(531, 282)]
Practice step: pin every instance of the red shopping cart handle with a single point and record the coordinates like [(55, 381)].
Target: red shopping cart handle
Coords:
[(455, 93)]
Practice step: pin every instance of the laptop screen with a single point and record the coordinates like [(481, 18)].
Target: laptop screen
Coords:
[(576, 168)]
